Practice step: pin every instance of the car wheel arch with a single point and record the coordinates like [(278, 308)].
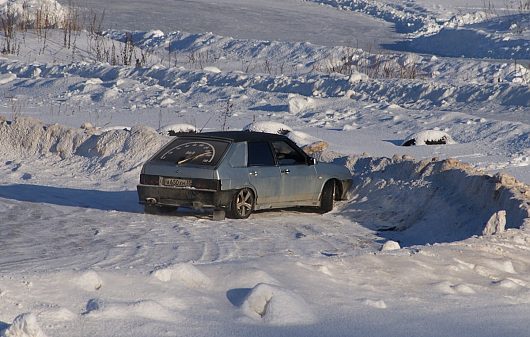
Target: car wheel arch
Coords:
[(338, 188)]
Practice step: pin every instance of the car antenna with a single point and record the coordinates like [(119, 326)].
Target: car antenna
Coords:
[(207, 121)]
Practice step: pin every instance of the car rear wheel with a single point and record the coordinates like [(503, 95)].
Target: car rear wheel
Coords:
[(328, 197), (242, 204)]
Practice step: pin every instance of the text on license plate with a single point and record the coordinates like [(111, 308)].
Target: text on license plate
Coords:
[(176, 182)]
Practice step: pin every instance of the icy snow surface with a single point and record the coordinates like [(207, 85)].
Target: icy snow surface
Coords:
[(431, 241)]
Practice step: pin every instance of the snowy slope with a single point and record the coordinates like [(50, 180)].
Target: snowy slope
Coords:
[(418, 248)]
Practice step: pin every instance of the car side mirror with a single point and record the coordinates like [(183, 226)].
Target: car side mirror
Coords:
[(311, 161)]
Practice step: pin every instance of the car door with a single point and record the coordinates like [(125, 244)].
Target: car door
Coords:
[(263, 173), (298, 180)]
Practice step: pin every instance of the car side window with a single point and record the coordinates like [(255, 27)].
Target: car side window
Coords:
[(286, 154), (260, 154)]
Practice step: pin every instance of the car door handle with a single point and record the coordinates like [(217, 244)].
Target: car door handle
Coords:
[(286, 171), (254, 173)]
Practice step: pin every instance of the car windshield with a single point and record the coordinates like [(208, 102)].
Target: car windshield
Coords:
[(193, 151)]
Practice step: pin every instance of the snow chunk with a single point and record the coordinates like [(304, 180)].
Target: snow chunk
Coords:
[(299, 103), (185, 273), (173, 129), (390, 245), (268, 127), (429, 137), (277, 306), (495, 224), (167, 102), (89, 281), (93, 81), (357, 77), (6, 78), (379, 304), (214, 70), (24, 325)]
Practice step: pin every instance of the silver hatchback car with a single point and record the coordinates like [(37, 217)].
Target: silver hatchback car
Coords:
[(237, 172)]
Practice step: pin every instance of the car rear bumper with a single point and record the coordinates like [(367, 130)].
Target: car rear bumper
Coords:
[(184, 197)]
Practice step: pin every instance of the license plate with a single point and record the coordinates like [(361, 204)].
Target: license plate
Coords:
[(176, 182)]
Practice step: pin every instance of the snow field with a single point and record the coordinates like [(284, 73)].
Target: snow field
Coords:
[(430, 246)]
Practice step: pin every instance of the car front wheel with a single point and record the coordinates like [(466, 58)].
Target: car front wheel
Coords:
[(242, 204), (328, 197)]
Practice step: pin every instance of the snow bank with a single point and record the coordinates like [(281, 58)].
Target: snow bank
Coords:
[(31, 13), (277, 306), (119, 148), (419, 202), (24, 325)]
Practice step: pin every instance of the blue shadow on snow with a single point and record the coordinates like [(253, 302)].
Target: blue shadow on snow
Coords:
[(122, 201)]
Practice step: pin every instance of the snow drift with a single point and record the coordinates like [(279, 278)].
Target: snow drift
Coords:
[(419, 202)]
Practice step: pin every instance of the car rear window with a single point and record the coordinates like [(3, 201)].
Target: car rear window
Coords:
[(193, 151)]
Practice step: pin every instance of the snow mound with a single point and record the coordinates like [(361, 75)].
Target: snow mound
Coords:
[(268, 127), (357, 77), (121, 148), (300, 103), (89, 281), (173, 129), (24, 325), (378, 304), (31, 137), (276, 306), (184, 273), (429, 137), (429, 201), (212, 69), (6, 78), (99, 309), (390, 245), (30, 13)]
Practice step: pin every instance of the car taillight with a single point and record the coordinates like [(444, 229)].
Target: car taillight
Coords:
[(147, 179), (206, 184)]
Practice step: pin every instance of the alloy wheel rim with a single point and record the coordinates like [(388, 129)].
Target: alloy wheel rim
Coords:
[(244, 202)]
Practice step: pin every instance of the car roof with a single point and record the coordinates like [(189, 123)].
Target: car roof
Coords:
[(235, 136)]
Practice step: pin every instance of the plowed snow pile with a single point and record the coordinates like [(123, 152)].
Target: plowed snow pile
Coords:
[(421, 202), (115, 150)]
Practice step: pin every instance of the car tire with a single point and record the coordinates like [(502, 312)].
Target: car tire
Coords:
[(242, 205), (327, 197)]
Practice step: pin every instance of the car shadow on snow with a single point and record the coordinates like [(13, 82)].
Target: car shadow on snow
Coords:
[(122, 201)]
